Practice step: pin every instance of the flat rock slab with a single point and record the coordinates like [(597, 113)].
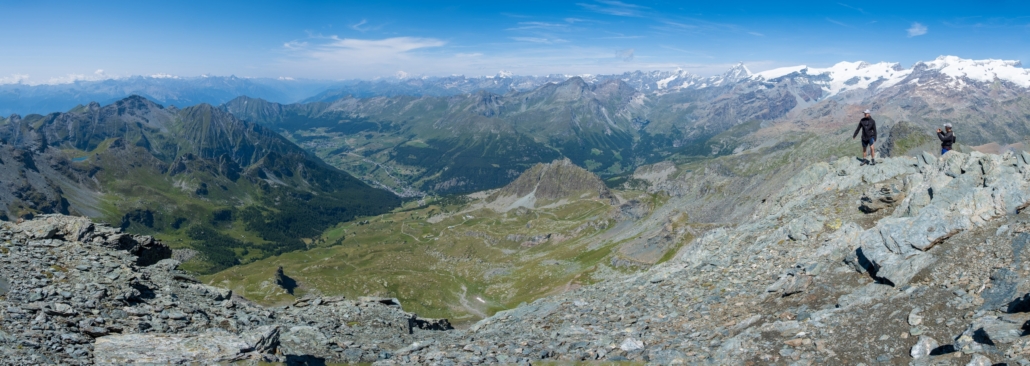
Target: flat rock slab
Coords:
[(168, 349)]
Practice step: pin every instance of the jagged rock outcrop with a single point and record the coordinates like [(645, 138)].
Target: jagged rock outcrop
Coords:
[(27, 186), (544, 184), (76, 292), (286, 283)]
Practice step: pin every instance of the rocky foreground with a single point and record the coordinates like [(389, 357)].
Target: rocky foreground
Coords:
[(74, 292), (917, 260)]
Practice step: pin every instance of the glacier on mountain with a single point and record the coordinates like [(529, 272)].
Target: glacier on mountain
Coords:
[(980, 70), (846, 76)]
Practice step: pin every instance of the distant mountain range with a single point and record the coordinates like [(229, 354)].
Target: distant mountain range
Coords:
[(196, 177), (26, 99), (390, 131), (613, 124), (181, 92), (249, 178)]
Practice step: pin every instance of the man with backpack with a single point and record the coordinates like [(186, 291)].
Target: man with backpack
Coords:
[(947, 138), (868, 127)]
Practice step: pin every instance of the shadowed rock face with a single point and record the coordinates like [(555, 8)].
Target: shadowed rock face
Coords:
[(284, 281), (27, 187)]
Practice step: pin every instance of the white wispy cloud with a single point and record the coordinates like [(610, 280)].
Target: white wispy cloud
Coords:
[(860, 10), (539, 40), (14, 79), (614, 7), (370, 56), (756, 34), (538, 25), (374, 47), (344, 58), (357, 26), (840, 23), (363, 26), (620, 36), (71, 78), (680, 25), (917, 29), (697, 26)]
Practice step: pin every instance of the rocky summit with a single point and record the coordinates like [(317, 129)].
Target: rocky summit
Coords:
[(916, 260)]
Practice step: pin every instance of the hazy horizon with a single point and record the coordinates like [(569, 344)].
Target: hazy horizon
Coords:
[(64, 41)]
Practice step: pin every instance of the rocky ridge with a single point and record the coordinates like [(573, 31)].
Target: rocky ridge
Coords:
[(916, 260), (936, 275), (74, 292)]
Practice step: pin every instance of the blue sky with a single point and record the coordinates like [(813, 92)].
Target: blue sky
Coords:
[(54, 41)]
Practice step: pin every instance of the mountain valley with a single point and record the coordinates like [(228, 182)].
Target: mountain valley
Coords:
[(658, 217), (197, 178)]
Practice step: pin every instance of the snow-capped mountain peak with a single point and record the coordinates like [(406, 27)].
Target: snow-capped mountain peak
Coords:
[(844, 75), (979, 70), (737, 73)]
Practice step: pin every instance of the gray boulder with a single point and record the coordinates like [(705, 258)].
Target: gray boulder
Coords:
[(1003, 330), (264, 339), (303, 340), (169, 349), (805, 227), (923, 347)]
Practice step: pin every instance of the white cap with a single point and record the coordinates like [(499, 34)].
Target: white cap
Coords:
[(867, 111), (947, 125)]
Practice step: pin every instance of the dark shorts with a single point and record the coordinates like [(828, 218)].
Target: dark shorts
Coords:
[(866, 143)]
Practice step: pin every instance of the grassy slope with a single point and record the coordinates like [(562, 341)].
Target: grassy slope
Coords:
[(128, 187), (440, 267), (149, 182), (462, 267)]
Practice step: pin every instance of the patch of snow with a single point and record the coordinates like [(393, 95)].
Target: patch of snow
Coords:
[(778, 73), (860, 75), (980, 70), (846, 76), (664, 83)]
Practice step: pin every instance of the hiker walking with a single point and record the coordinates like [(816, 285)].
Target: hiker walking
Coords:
[(947, 138), (868, 127)]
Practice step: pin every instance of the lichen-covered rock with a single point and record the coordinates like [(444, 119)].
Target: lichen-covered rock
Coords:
[(170, 348)]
